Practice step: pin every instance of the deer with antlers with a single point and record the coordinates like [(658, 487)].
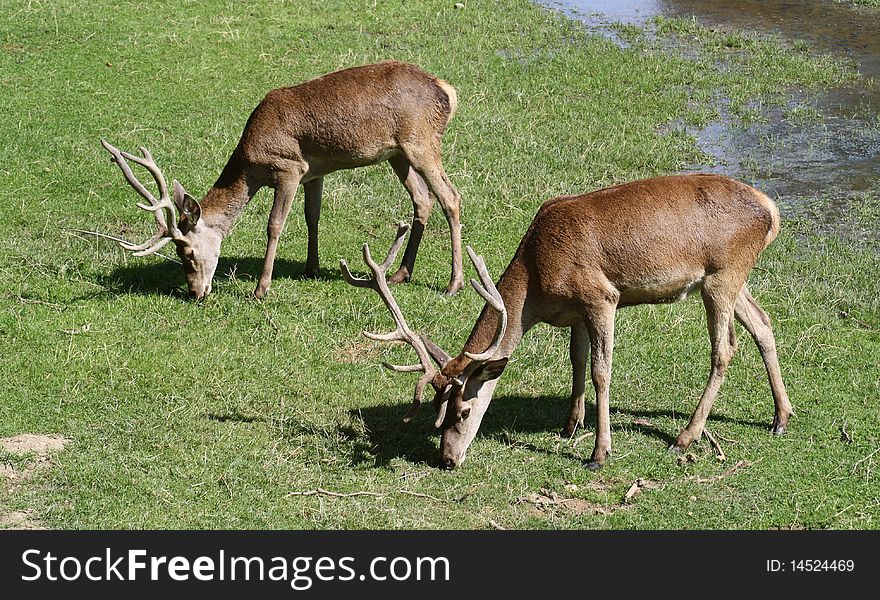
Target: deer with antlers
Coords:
[(582, 258), (389, 111)]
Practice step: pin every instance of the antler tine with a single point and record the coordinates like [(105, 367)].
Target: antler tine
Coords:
[(137, 247), (417, 396), (402, 228), (490, 294), (119, 158), (153, 249), (402, 333), (163, 209)]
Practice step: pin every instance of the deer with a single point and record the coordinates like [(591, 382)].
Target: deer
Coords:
[(583, 257), (390, 111)]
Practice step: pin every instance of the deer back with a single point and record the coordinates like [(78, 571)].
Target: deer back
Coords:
[(349, 118), (647, 240)]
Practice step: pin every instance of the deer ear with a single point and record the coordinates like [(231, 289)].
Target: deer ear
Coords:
[(187, 205), (490, 370)]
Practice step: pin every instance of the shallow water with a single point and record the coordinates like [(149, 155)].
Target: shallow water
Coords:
[(828, 160)]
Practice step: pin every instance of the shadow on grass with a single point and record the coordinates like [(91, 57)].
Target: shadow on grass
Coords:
[(166, 278), (417, 441), (235, 417)]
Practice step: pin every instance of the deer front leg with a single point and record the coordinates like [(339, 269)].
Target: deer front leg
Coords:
[(577, 352), (422, 202), (313, 190), (600, 326), (285, 191)]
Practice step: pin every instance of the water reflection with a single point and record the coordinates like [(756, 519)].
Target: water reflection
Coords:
[(831, 158)]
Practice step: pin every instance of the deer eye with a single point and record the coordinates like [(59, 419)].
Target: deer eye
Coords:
[(465, 414)]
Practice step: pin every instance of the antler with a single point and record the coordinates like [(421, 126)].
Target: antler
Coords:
[(163, 208), (490, 294), (403, 333)]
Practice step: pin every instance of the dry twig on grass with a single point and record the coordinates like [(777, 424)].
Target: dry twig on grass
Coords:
[(847, 315), (726, 439), (637, 486), (858, 462), (740, 465), (582, 438), (323, 492), (715, 444), (846, 437)]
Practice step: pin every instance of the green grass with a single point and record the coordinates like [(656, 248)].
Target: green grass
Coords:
[(206, 415), (870, 3)]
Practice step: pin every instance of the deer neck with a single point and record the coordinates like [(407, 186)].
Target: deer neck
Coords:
[(224, 203), (512, 286)]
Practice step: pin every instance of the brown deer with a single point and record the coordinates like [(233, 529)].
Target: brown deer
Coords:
[(582, 258), (351, 118)]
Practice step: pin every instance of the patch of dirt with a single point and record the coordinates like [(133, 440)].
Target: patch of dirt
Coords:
[(8, 472), (357, 352), (18, 519), (24, 443), (547, 500), (37, 450)]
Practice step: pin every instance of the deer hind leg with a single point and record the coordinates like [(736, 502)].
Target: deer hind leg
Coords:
[(756, 321), (577, 352), (313, 190), (718, 299), (285, 192), (426, 162), (422, 202), (600, 326)]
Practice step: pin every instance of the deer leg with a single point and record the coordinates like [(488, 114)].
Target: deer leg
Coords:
[(719, 312), (285, 191), (313, 190), (600, 326), (756, 321), (577, 352), (422, 202), (427, 165)]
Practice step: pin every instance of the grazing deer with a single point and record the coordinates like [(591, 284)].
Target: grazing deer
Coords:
[(351, 118), (582, 258)]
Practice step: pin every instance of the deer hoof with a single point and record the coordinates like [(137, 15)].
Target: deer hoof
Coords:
[(401, 276), (777, 429), (453, 288), (594, 466), (675, 449)]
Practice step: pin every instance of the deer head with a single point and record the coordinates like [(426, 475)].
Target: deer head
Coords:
[(463, 386), (198, 244)]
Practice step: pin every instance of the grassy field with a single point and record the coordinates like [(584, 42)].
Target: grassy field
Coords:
[(206, 415)]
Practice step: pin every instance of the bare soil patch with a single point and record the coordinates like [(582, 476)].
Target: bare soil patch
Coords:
[(24, 443), (357, 352), (547, 501), (38, 450)]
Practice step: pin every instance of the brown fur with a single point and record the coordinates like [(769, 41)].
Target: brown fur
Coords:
[(648, 241), (389, 111)]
